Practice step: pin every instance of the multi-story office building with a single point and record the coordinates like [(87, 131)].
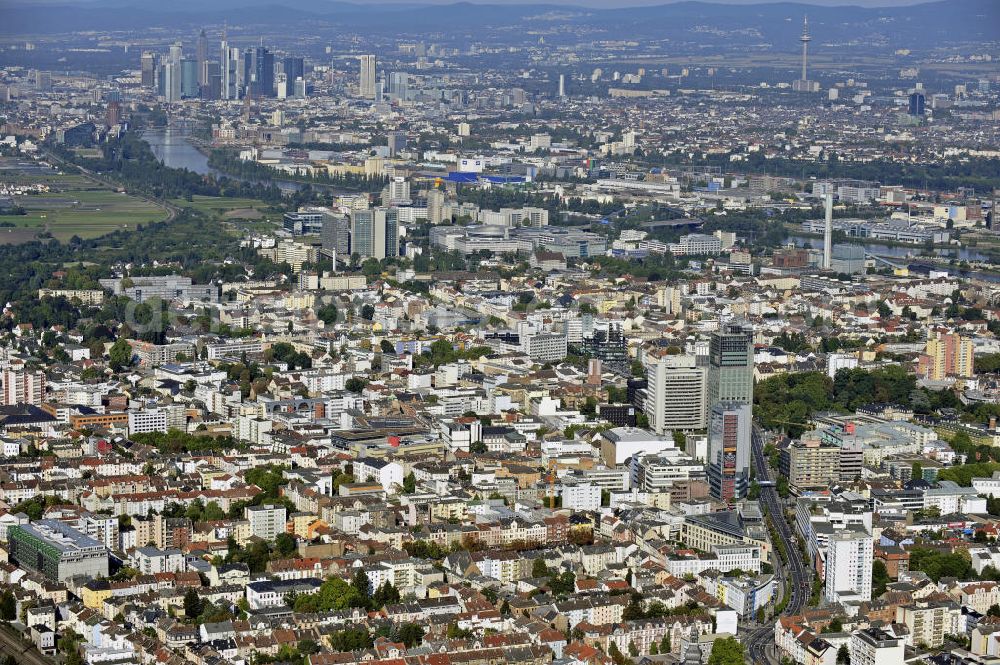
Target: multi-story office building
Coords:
[(266, 522), (696, 244), (57, 551), (545, 347), (294, 69), (366, 82), (336, 236), (189, 79), (606, 343), (170, 80), (231, 79), (730, 365), (304, 222), (260, 69), (515, 217), (375, 233), (662, 471), (675, 394), (201, 59), (21, 386), (729, 450), (849, 566), (149, 66), (165, 287)]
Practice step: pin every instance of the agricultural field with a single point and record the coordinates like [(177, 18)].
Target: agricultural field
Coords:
[(74, 205)]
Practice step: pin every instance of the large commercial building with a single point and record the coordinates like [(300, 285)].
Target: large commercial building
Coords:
[(305, 221), (729, 450), (375, 233), (730, 365), (696, 244), (57, 551), (675, 394), (545, 347), (149, 65), (260, 67), (620, 443), (849, 566), (336, 236), (164, 287)]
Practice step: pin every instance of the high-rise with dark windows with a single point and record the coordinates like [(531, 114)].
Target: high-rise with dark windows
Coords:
[(730, 365)]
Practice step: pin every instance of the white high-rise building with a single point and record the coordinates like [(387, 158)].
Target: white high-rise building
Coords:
[(231, 71), (675, 394), (398, 191), (367, 84), (849, 566), (172, 81)]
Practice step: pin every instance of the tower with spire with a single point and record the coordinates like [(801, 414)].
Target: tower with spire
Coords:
[(804, 84)]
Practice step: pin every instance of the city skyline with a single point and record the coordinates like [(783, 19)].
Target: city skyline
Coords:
[(537, 334)]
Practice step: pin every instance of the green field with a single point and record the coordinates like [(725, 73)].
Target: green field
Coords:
[(218, 204), (74, 206), (241, 215)]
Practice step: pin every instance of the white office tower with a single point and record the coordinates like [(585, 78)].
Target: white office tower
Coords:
[(367, 85), (230, 70), (172, 81), (828, 234), (849, 566), (281, 86), (675, 394), (562, 85)]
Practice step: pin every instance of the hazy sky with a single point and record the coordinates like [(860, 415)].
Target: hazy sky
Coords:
[(637, 3)]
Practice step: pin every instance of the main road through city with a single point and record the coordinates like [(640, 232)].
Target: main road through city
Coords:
[(759, 639)]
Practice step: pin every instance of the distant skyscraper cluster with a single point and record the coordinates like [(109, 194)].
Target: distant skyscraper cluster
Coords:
[(238, 73)]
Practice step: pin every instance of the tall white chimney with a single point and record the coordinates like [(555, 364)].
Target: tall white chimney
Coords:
[(828, 234)]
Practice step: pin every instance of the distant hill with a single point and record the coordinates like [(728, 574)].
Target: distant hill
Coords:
[(700, 24)]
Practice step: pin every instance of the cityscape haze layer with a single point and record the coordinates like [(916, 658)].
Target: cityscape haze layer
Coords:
[(432, 333)]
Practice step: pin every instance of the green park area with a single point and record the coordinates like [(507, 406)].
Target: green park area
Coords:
[(240, 214)]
